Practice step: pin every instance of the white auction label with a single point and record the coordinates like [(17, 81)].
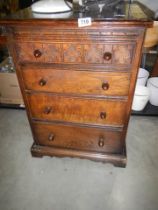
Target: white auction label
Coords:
[(84, 22)]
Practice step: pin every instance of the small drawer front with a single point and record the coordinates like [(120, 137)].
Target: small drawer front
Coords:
[(80, 110), (80, 138), (74, 53), (76, 82)]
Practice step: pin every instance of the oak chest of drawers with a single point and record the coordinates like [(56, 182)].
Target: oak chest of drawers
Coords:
[(77, 84)]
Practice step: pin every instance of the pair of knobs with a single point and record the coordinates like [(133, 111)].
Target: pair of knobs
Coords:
[(49, 109), (107, 55), (51, 137), (105, 85)]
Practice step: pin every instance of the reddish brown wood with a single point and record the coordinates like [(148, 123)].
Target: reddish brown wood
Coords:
[(37, 53), (75, 53), (77, 83), (79, 138), (107, 56), (73, 109), (122, 54), (154, 72), (42, 82), (119, 160), (3, 40), (101, 142)]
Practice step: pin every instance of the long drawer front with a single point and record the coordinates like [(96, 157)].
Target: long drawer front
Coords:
[(76, 82), (117, 53), (74, 109), (79, 138)]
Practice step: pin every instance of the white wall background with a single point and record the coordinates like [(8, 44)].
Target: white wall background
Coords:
[(152, 4)]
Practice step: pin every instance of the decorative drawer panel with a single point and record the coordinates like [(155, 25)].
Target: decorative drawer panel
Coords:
[(79, 110), (76, 53), (76, 82), (79, 138)]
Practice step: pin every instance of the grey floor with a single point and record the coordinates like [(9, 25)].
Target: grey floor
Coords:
[(28, 183)]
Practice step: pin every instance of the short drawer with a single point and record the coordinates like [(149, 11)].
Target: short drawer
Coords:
[(74, 109), (76, 82), (75, 53), (79, 138)]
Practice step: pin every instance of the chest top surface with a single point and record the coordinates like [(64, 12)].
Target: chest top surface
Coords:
[(134, 14)]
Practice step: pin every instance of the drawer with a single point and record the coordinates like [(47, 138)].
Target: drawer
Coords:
[(74, 109), (74, 53), (76, 82), (79, 138)]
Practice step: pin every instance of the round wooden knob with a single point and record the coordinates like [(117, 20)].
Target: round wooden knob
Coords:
[(47, 110), (37, 53), (107, 56), (51, 137), (105, 86), (101, 142), (103, 115), (42, 82)]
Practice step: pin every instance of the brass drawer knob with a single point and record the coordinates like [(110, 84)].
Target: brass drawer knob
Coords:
[(42, 82), (101, 142), (51, 137), (107, 56), (102, 115), (47, 110), (105, 86), (37, 53)]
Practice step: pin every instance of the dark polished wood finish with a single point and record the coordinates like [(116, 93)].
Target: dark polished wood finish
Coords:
[(73, 53), (3, 40), (86, 138), (77, 83), (154, 72), (76, 109)]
